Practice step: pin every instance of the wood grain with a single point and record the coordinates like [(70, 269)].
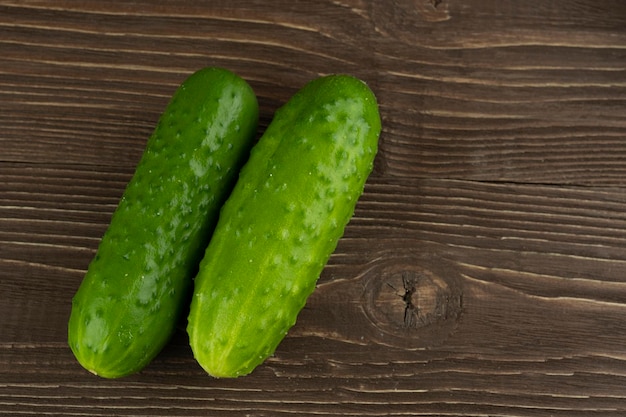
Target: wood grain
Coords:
[(482, 273)]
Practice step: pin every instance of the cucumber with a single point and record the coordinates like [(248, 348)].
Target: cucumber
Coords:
[(139, 283), (281, 223)]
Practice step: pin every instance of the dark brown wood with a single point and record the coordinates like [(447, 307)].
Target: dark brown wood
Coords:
[(483, 273)]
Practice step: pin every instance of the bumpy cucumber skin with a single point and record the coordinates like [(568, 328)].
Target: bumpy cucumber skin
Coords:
[(139, 282), (281, 223)]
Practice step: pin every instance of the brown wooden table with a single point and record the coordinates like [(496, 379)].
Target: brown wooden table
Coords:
[(484, 272)]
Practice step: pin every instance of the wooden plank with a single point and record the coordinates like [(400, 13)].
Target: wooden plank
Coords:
[(482, 273), (437, 284), (524, 102)]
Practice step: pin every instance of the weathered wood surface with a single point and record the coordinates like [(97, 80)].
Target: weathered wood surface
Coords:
[(484, 273)]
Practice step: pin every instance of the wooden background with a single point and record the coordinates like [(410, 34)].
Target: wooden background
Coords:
[(484, 272)]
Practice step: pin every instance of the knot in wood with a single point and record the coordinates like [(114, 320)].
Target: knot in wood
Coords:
[(411, 303)]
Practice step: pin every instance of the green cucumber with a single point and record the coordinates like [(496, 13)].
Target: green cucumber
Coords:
[(281, 223), (139, 283)]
